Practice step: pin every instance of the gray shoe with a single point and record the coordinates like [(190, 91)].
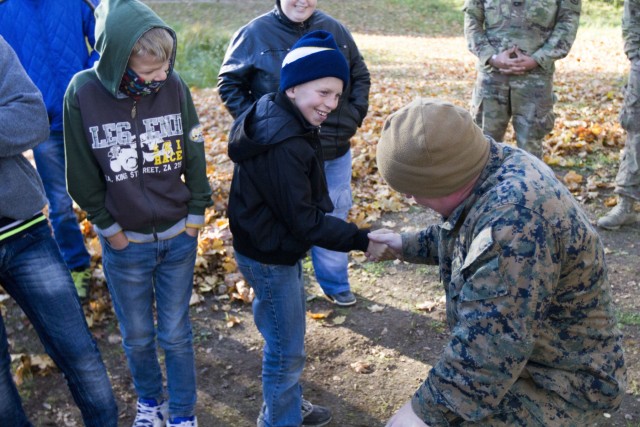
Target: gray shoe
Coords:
[(343, 299), (312, 415), (621, 214)]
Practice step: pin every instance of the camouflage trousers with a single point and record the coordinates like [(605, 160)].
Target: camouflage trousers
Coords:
[(628, 178), (527, 100), (527, 405)]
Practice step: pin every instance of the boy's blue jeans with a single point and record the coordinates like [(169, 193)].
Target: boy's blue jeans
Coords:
[(331, 266), (279, 314), (33, 272), (49, 157), (136, 275)]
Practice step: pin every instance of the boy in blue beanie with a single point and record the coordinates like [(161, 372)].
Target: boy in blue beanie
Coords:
[(277, 211)]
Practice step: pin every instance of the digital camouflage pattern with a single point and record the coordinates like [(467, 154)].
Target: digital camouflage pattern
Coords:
[(628, 178), (533, 333), (542, 29)]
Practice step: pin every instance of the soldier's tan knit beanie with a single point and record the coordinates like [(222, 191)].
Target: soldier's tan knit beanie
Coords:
[(431, 148)]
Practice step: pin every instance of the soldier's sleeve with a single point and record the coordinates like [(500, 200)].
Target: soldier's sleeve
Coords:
[(631, 29), (564, 32), (421, 247), (499, 295), (474, 31)]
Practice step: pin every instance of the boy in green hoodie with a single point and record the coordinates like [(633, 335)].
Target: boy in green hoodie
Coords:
[(136, 164)]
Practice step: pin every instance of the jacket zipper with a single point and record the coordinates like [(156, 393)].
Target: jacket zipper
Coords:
[(134, 113)]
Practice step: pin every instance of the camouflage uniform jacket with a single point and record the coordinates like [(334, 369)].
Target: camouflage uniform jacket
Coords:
[(542, 29), (527, 297), (631, 29)]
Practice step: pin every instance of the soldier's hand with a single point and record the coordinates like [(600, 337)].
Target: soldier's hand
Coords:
[(502, 59), (405, 417), (384, 245), (518, 63)]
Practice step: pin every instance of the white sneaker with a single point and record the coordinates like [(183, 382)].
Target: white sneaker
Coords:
[(183, 422), (151, 413)]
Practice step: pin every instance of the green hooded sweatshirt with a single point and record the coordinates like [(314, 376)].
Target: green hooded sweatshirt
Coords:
[(137, 166)]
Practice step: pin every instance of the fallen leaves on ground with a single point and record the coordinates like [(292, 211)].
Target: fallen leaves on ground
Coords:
[(586, 137), (362, 367)]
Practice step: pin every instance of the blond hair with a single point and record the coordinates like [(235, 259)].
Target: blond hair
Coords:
[(157, 42)]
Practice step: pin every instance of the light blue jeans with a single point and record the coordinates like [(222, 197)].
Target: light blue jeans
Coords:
[(331, 266), (33, 272), (136, 275), (279, 314), (49, 157)]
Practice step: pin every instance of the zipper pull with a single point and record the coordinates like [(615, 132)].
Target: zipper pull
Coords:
[(134, 110)]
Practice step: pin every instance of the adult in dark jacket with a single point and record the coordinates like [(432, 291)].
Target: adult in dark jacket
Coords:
[(51, 37), (251, 69)]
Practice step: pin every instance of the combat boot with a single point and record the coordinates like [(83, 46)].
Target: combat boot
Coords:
[(621, 214)]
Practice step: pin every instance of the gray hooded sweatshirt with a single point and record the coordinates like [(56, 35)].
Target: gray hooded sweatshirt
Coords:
[(24, 125)]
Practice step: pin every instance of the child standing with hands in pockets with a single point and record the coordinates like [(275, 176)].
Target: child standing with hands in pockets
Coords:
[(136, 164), (278, 207)]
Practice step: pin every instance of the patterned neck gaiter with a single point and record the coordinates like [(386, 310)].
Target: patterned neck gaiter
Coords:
[(135, 87)]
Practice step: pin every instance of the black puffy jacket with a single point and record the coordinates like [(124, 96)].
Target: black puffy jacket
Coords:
[(251, 69), (279, 198)]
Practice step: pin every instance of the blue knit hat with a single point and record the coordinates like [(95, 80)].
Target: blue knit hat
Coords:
[(314, 56)]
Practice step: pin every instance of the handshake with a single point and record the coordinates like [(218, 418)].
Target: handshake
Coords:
[(384, 245)]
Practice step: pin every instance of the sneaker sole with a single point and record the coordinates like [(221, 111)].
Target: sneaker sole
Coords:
[(341, 304)]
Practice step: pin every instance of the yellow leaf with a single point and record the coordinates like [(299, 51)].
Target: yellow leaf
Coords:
[(319, 315)]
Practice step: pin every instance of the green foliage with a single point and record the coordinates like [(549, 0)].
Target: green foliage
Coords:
[(628, 319), (377, 269), (430, 18), (601, 13), (200, 54)]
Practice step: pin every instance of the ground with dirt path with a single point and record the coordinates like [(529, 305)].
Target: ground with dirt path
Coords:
[(363, 362)]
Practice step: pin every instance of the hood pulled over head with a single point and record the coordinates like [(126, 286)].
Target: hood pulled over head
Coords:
[(119, 25)]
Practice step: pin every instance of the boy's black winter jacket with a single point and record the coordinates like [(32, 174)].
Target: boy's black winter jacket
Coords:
[(279, 198)]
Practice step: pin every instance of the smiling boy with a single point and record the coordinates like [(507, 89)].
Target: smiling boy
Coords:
[(278, 207)]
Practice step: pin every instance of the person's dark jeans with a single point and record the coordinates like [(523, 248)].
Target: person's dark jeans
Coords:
[(49, 157), (33, 272)]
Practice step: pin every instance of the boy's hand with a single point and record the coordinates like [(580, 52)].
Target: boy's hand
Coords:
[(193, 232), (118, 241), (376, 251)]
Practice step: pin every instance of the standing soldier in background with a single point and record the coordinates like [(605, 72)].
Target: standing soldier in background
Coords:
[(628, 178), (517, 43)]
